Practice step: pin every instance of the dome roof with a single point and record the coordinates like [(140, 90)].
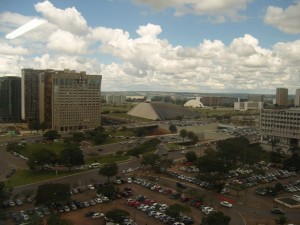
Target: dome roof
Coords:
[(194, 103)]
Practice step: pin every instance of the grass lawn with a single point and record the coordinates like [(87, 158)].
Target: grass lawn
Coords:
[(173, 146), (55, 146), (107, 159), (22, 177)]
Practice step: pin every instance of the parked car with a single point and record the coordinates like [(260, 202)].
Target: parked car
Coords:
[(226, 204), (277, 211)]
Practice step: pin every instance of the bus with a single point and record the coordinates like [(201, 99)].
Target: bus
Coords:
[(94, 165)]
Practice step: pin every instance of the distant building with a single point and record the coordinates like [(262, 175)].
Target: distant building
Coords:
[(115, 99), (282, 96), (244, 106), (256, 98), (10, 99), (297, 98), (194, 103), (281, 124), (65, 100), (218, 101)]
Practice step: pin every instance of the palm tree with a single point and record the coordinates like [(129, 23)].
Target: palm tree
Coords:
[(281, 220)]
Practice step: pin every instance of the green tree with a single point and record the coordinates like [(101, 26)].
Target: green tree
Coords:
[(191, 156), (51, 134), (273, 141), (78, 137), (71, 156), (151, 160), (190, 135), (183, 133), (109, 170), (294, 150), (5, 193), (40, 157), (52, 192), (140, 132), (216, 218), (115, 214), (172, 128), (176, 209), (281, 220)]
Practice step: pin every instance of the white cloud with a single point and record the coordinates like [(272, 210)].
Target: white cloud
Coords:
[(64, 41), (286, 20), (7, 49), (217, 11), (69, 19)]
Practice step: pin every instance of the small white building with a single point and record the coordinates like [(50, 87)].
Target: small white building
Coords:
[(244, 106), (194, 103)]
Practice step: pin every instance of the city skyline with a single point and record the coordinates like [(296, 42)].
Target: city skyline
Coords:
[(237, 46)]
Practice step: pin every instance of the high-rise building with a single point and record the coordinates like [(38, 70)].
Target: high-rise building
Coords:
[(10, 99), (30, 94), (65, 100), (297, 98), (282, 96), (281, 124)]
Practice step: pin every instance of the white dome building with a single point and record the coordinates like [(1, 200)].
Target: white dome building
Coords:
[(194, 103)]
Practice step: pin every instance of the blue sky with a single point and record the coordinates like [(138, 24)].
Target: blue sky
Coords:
[(177, 45)]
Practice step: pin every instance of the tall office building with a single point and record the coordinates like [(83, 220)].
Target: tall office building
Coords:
[(297, 98), (282, 96), (10, 99), (72, 100), (63, 100), (30, 94)]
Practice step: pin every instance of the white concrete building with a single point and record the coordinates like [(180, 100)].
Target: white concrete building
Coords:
[(244, 106)]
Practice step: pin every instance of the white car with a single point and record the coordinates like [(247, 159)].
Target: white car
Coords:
[(129, 180), (98, 200), (91, 187), (97, 215), (226, 204), (296, 198)]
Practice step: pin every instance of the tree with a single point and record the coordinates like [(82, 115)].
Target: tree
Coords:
[(116, 214), (294, 150), (41, 157), (191, 156), (175, 210), (273, 141), (172, 128), (109, 170), (52, 192), (5, 193), (216, 218), (281, 220), (151, 160), (140, 132), (183, 133), (71, 156), (190, 135), (51, 134), (78, 137)]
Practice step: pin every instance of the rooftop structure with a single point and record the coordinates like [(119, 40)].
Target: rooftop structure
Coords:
[(160, 111)]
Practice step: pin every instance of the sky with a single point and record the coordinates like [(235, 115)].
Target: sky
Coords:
[(200, 46)]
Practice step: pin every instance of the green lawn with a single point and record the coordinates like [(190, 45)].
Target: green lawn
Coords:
[(22, 177), (55, 146)]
